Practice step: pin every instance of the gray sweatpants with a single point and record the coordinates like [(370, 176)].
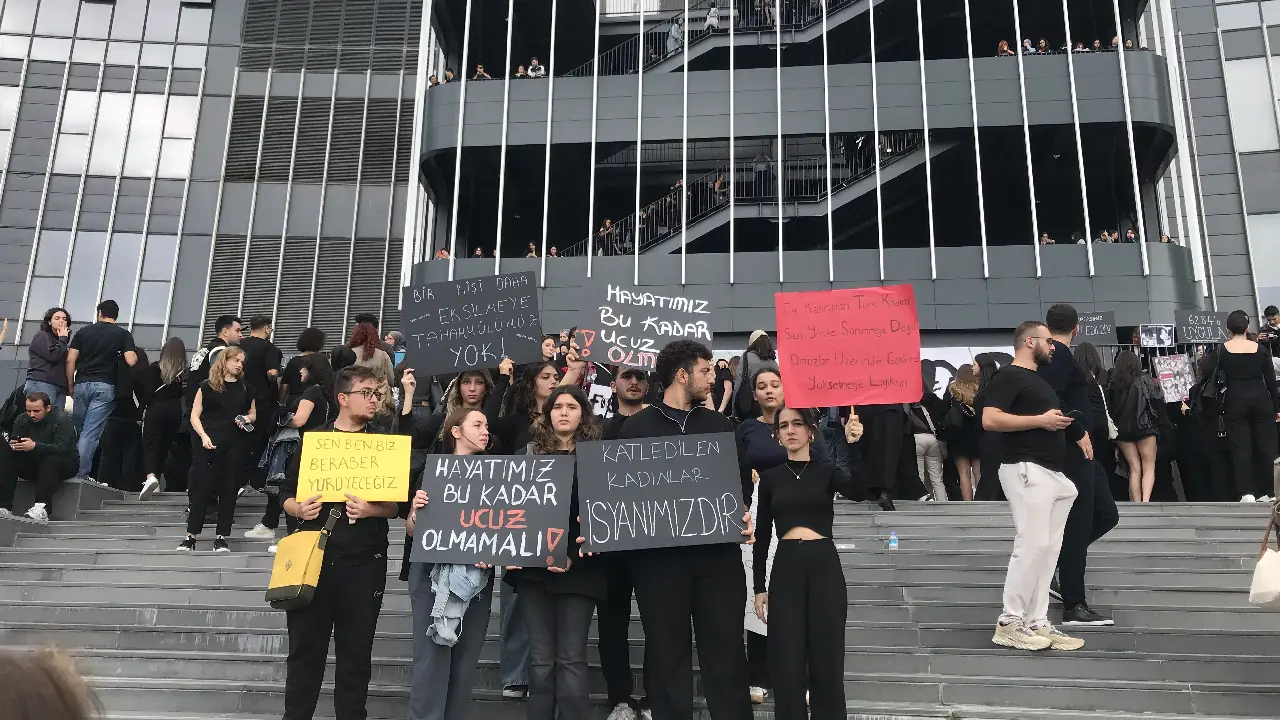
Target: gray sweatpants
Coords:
[(1040, 500), (442, 676)]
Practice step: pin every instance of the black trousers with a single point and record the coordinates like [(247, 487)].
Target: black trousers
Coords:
[(1204, 465), (119, 455), (808, 605), (613, 622), (1093, 514), (1250, 420), (558, 678), (218, 472), (47, 471), (886, 429), (758, 660), (705, 583), (346, 605), (165, 448)]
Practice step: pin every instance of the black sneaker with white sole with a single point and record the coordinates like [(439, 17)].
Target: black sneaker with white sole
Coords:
[(220, 545), (187, 545), (1082, 614)]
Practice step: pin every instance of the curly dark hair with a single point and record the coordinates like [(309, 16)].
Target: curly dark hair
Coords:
[(365, 336), (544, 435), (522, 400)]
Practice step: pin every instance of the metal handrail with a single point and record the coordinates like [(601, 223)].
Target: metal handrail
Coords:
[(755, 183)]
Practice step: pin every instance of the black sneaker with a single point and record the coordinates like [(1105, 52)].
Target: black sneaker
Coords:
[(1055, 590), (885, 502), (1082, 614), (188, 545), (220, 545)]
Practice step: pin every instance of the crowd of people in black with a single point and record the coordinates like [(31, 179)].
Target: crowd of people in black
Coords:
[(1043, 47)]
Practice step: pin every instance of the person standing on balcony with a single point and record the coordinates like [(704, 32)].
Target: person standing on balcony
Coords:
[(536, 69), (713, 18), (675, 37)]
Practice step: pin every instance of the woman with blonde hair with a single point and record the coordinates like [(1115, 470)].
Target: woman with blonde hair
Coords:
[(962, 428), (222, 417), (44, 685)]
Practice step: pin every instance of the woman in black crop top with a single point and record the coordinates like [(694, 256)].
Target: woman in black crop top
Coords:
[(805, 603), (1250, 409)]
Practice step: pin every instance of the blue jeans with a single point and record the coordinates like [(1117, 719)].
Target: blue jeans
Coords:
[(513, 650), (94, 403), (56, 394)]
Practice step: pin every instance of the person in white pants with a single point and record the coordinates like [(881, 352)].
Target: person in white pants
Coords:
[(1023, 407)]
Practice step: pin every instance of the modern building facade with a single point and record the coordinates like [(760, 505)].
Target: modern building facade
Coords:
[(194, 158)]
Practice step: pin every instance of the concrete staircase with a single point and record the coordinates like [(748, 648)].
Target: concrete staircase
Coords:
[(187, 636)]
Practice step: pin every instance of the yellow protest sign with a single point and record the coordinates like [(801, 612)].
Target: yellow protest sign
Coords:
[(372, 467)]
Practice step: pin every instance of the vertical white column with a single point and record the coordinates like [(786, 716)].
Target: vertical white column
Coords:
[(457, 157), (502, 147), (635, 219), (1133, 155), (1177, 207), (1075, 125), (733, 160), (780, 150), (977, 147), (324, 188), (413, 206), (591, 169), (1026, 139), (826, 129), (1185, 157), (1244, 205), (928, 155), (1181, 72), (546, 167), (875, 124), (684, 148)]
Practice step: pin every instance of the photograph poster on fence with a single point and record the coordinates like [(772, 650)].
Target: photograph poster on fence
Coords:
[(1176, 376), (1155, 335)]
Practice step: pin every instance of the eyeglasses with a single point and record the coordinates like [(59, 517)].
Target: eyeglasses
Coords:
[(1039, 337), (367, 394)]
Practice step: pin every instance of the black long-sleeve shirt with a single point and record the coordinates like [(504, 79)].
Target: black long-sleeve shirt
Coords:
[(788, 501), (761, 451), (1068, 380)]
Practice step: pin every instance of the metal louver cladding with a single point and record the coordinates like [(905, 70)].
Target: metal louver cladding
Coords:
[(261, 18), (277, 142), (392, 24), (224, 279), (260, 275), (294, 24), (344, 147), (357, 35), (367, 271), (313, 130), (242, 147), (379, 141), (326, 27), (295, 288), (404, 143), (332, 276), (391, 296), (414, 36)]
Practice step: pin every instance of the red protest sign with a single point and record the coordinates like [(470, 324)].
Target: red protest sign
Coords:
[(849, 347)]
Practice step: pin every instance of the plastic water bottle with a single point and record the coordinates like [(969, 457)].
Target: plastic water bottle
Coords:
[(893, 540)]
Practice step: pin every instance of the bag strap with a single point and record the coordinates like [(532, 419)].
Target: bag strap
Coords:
[(333, 520), (1272, 522)]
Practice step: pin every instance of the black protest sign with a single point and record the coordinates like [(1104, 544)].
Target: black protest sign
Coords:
[(1201, 326), (474, 323), (659, 492), (629, 326), (496, 509), (1098, 328)]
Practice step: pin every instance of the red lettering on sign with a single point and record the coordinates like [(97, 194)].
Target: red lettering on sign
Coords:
[(515, 519), (553, 538), (849, 347)]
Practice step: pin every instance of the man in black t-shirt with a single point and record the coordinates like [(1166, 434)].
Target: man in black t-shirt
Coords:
[(1023, 407), (93, 362), (262, 373)]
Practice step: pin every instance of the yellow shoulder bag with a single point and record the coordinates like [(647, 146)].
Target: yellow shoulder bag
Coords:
[(296, 570)]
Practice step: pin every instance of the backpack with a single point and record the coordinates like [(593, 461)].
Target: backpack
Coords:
[(13, 406), (744, 397)]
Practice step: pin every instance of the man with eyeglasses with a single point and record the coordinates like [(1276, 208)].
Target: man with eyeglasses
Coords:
[(348, 596), (1024, 408)]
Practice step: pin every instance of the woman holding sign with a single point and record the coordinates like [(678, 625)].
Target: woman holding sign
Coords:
[(558, 602), (805, 601), (447, 648)]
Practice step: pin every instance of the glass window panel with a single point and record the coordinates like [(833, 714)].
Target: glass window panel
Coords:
[(122, 53), (194, 27), (57, 17), (19, 16), (1253, 119), (89, 51), (158, 263), (109, 137), (51, 252), (5, 136), (1241, 15), (153, 303), (175, 159), (180, 121), (86, 270), (51, 49), (1271, 11), (189, 56), (162, 21), (144, 136), (14, 46), (44, 294), (95, 20), (157, 55), (122, 272), (8, 106), (71, 154), (126, 24), (78, 111)]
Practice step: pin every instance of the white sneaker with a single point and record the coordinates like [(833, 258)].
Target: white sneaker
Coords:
[(260, 532), (273, 549), (38, 513), (757, 694), (92, 481), (1264, 499), (622, 711), (6, 513), (646, 714), (1248, 499), (149, 488)]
